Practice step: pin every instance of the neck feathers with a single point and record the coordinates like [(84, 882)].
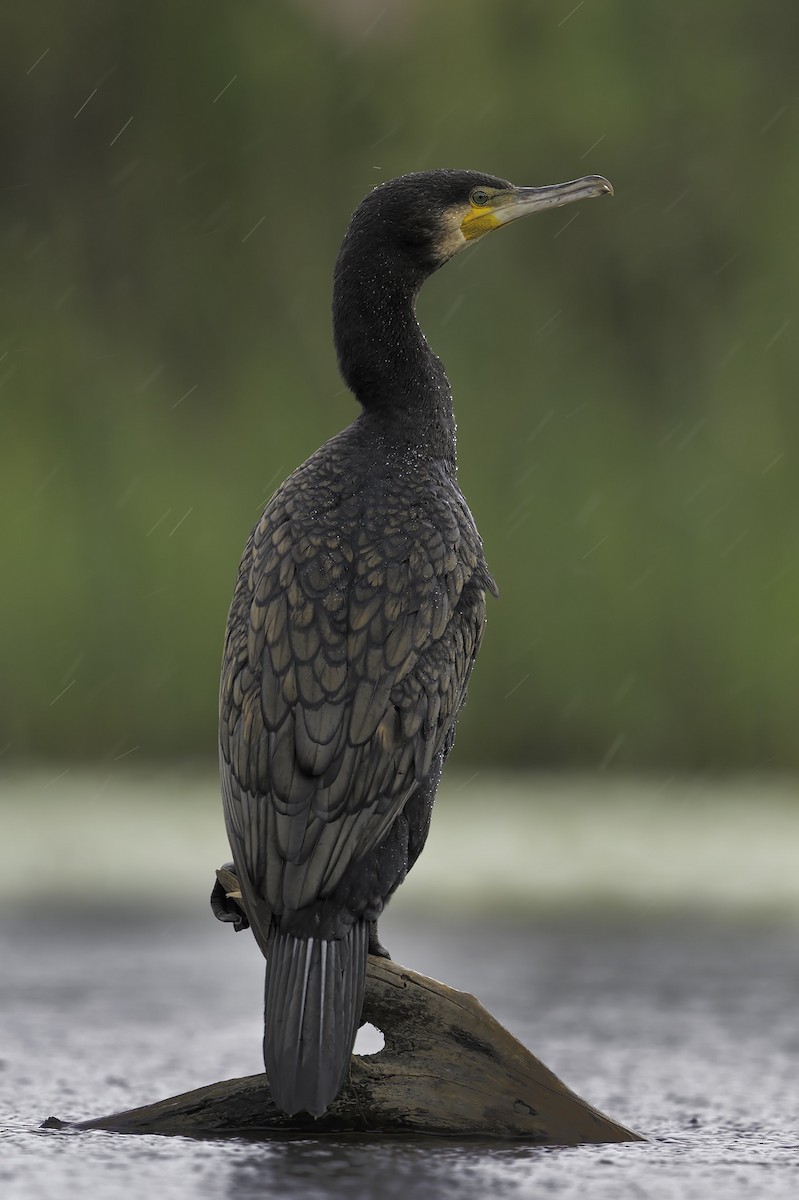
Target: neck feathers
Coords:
[(383, 354)]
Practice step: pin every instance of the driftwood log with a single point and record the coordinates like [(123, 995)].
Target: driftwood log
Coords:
[(447, 1068)]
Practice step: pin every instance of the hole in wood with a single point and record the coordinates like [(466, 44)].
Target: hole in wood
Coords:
[(370, 1040)]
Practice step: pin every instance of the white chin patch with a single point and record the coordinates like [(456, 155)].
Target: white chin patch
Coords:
[(452, 239)]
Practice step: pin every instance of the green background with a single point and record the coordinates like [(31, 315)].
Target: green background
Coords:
[(175, 181)]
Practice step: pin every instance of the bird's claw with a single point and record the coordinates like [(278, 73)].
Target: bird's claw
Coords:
[(226, 897)]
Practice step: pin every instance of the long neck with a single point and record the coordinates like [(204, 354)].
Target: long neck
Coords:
[(382, 352)]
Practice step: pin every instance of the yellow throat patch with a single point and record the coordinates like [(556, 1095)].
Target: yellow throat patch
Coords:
[(478, 220)]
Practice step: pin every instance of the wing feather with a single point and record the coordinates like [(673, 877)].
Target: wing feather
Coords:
[(349, 646)]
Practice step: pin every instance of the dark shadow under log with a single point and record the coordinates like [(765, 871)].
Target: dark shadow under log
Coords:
[(447, 1068)]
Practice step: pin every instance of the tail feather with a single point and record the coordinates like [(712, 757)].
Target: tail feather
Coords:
[(314, 996)]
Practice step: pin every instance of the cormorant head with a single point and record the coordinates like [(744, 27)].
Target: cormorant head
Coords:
[(399, 234), (429, 216)]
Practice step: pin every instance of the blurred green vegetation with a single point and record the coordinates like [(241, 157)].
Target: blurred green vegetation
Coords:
[(175, 182)]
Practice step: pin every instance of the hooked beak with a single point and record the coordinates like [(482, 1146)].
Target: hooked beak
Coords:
[(508, 206), (525, 200)]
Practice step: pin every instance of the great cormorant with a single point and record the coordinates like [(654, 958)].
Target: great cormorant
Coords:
[(356, 619)]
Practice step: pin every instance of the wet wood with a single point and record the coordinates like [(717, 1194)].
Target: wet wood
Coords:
[(447, 1068)]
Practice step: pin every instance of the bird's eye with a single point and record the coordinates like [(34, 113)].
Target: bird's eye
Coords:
[(480, 197)]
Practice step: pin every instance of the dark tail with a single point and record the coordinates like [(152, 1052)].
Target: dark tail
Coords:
[(314, 996)]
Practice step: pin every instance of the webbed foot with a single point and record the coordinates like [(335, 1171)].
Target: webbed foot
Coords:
[(375, 945), (225, 899)]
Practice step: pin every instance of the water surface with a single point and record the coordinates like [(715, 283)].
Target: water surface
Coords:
[(685, 1030)]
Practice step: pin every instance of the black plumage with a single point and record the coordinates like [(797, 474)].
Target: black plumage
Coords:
[(355, 623)]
